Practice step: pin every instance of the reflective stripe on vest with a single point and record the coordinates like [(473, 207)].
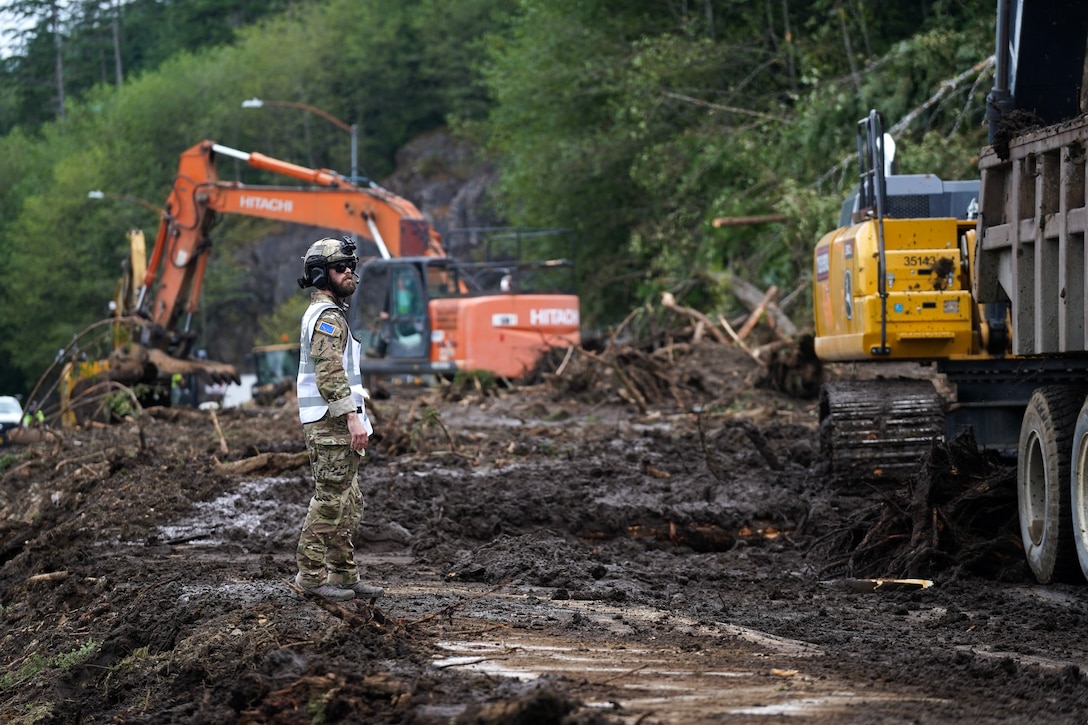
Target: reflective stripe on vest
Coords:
[(311, 406)]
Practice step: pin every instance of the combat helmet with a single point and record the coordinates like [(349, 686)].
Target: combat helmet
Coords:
[(321, 255)]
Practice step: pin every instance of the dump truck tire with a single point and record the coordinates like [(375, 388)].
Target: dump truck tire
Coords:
[(1079, 489), (1042, 482)]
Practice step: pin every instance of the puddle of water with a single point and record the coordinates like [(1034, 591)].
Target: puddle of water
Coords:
[(442, 712), (663, 427), (245, 593), (794, 707), (487, 667), (524, 661), (487, 656), (833, 703), (245, 507)]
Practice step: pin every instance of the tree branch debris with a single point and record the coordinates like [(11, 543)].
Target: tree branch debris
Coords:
[(641, 365)]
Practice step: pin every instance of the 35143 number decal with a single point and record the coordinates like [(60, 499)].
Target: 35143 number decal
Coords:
[(915, 260)]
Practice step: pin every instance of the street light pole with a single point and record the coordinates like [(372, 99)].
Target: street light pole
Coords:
[(351, 128), (354, 153)]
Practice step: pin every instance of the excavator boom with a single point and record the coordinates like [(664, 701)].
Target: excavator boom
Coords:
[(176, 269)]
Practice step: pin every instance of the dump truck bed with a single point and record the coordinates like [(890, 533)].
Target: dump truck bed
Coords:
[(1032, 234)]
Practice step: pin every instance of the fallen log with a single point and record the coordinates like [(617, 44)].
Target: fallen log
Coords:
[(134, 363), (747, 221), (216, 372), (751, 297), (219, 432), (26, 436), (52, 576), (737, 339), (757, 312), (270, 463)]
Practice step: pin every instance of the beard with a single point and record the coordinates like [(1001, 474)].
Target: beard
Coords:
[(344, 288)]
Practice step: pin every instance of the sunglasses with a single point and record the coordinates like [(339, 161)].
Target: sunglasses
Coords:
[(341, 267)]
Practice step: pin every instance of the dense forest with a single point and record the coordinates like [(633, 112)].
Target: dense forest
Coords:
[(634, 122)]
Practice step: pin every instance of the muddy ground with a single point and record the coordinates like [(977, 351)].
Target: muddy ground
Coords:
[(567, 552)]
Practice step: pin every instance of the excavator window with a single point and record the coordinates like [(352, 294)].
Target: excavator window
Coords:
[(407, 306), (389, 310), (441, 282), (406, 297), (368, 307)]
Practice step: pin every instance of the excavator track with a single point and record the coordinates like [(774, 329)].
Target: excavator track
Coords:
[(878, 430)]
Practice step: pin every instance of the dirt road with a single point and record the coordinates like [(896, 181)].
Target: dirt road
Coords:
[(550, 554)]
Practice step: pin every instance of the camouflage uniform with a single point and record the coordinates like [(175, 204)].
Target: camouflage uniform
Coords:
[(325, 548)]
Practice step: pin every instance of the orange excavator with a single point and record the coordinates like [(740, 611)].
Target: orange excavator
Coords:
[(416, 310)]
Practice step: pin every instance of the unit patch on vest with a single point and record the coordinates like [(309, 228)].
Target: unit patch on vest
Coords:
[(326, 327)]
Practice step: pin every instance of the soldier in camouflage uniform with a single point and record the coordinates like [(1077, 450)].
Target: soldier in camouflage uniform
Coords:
[(331, 408)]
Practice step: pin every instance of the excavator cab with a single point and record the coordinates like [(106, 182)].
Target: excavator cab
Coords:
[(389, 314)]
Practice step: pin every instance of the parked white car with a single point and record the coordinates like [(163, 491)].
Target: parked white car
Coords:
[(11, 413)]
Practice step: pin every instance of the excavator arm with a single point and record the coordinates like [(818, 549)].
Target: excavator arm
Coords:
[(176, 269)]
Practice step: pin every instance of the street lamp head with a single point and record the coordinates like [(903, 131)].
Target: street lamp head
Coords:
[(252, 103)]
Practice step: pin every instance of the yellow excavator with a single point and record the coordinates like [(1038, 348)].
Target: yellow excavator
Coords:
[(893, 282), (87, 383)]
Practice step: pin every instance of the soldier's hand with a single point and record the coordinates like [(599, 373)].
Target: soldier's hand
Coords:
[(358, 432)]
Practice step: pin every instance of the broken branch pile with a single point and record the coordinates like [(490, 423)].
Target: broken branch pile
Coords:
[(666, 361), (957, 513)]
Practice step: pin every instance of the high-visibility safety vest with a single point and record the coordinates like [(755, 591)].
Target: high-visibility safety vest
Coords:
[(311, 406)]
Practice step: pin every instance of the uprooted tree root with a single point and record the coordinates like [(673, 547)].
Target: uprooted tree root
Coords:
[(957, 514)]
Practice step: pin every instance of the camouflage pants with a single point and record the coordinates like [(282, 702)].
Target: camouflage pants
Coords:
[(325, 549)]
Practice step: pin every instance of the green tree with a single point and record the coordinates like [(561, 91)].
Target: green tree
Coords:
[(126, 141), (635, 123), (639, 123), (66, 48)]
